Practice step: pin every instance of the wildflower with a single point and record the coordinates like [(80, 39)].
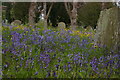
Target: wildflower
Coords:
[(36, 73), (88, 35), (54, 74), (33, 29), (65, 29), (48, 74), (6, 66), (95, 46), (92, 43), (26, 31), (77, 31)]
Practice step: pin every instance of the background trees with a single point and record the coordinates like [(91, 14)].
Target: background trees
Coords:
[(72, 13), (20, 11), (32, 15), (59, 14), (46, 13), (7, 12), (88, 15)]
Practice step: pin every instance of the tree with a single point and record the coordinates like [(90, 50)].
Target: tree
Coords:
[(7, 12), (46, 13), (20, 11), (71, 9), (32, 15), (72, 12), (88, 15), (39, 11), (59, 14), (106, 5)]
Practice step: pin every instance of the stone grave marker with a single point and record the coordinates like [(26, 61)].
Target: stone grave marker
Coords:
[(61, 25), (16, 22), (89, 28), (108, 29)]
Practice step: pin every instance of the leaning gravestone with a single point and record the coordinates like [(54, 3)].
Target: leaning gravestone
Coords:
[(108, 29), (61, 25), (16, 22)]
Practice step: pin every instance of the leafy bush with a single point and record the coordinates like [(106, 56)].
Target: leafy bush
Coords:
[(88, 14), (20, 11)]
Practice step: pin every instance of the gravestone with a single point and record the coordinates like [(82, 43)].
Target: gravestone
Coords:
[(89, 28), (16, 22), (61, 25), (108, 29)]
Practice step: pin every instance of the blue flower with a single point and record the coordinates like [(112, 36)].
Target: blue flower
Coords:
[(36, 73)]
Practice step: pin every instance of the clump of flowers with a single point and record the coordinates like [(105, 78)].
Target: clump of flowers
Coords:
[(36, 53)]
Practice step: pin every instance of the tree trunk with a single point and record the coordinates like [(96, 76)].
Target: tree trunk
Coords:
[(32, 13), (46, 14), (74, 16)]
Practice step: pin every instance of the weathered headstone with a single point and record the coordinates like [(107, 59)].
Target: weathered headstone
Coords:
[(89, 28), (108, 29), (61, 25), (16, 22)]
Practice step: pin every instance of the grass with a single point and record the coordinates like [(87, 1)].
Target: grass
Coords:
[(39, 53)]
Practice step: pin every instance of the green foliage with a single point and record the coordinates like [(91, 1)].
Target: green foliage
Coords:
[(40, 24), (3, 15), (37, 13), (58, 14), (20, 11), (6, 13), (109, 5), (89, 14)]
